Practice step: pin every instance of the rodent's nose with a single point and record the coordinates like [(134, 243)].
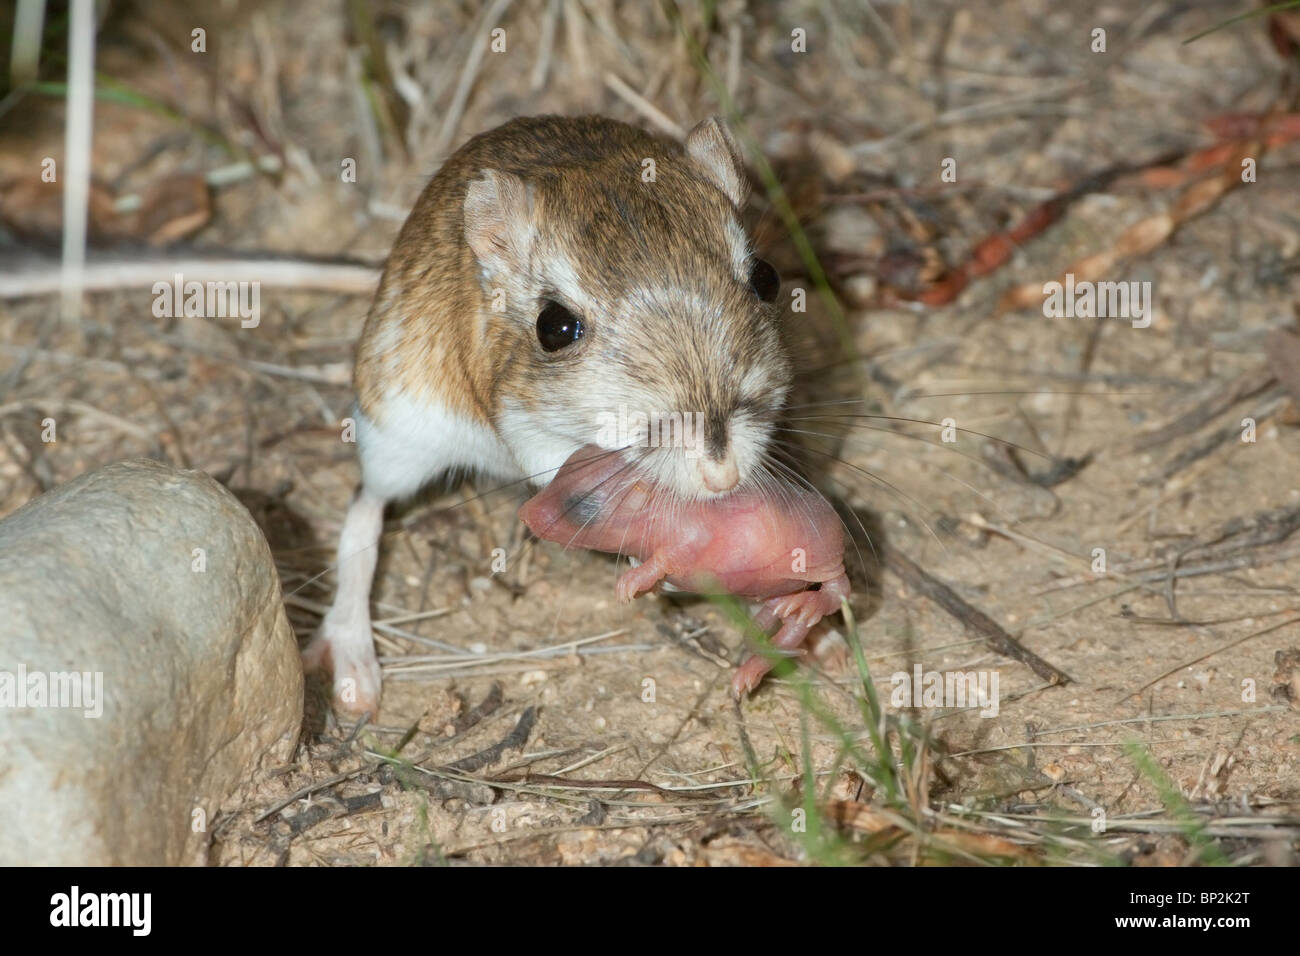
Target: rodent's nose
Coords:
[(719, 476)]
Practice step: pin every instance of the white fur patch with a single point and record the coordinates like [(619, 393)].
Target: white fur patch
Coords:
[(419, 441), (539, 451), (559, 273), (740, 251)]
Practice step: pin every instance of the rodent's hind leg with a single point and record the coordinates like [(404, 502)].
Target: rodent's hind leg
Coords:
[(344, 642), (799, 613), (786, 642), (811, 606)]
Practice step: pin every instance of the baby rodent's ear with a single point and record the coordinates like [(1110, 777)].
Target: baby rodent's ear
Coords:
[(498, 220), (714, 152)]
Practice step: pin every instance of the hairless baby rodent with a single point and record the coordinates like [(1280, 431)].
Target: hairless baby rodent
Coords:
[(556, 270), (767, 544)]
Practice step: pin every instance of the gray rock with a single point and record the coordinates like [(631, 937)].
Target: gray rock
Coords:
[(188, 677)]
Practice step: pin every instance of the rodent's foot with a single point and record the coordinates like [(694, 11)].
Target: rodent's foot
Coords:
[(751, 672), (748, 676), (638, 580), (357, 680), (807, 607), (798, 613)]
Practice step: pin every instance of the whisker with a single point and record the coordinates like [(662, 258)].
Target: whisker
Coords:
[(890, 486), (943, 471), (1029, 391), (922, 421), (773, 460)]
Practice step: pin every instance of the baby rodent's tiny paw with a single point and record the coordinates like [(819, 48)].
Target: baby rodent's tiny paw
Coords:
[(748, 676), (807, 607), (636, 581)]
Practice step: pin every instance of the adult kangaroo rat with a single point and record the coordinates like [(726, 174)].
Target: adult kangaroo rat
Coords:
[(557, 270)]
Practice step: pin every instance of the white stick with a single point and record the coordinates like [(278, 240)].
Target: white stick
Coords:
[(80, 105)]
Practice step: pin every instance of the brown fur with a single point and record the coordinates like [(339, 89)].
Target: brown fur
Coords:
[(431, 332)]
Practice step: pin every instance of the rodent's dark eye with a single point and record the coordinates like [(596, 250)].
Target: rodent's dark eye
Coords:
[(558, 327), (763, 279)]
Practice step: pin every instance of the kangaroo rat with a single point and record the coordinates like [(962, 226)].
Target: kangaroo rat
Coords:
[(556, 270), (764, 545)]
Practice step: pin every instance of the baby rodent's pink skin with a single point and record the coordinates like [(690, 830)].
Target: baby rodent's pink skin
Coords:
[(768, 548)]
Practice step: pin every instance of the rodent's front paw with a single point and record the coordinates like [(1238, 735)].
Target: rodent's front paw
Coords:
[(638, 580), (357, 684), (357, 679), (625, 590)]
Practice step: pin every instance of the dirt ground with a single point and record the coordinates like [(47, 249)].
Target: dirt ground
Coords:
[(529, 718)]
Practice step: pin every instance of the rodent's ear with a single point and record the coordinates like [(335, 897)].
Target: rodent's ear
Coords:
[(715, 153), (499, 221)]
